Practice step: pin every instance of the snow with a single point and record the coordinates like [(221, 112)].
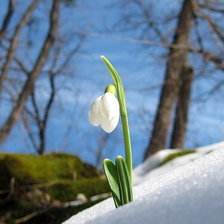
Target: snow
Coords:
[(188, 189)]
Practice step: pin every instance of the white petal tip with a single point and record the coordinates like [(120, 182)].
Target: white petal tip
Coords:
[(108, 131)]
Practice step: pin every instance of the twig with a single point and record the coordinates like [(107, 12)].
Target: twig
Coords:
[(211, 8), (31, 215), (219, 36), (7, 18), (12, 184)]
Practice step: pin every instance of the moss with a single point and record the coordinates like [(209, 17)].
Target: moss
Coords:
[(2, 155), (33, 169), (67, 191), (91, 187), (43, 181), (175, 155)]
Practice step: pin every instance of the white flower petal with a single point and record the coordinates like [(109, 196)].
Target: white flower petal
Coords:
[(105, 111), (94, 112), (109, 125), (109, 106), (105, 124), (113, 123), (110, 111)]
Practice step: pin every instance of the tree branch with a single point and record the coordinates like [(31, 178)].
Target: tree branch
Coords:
[(22, 66), (36, 110), (42, 128), (29, 131), (211, 8), (208, 56), (70, 55), (28, 86), (214, 28), (7, 18), (13, 42)]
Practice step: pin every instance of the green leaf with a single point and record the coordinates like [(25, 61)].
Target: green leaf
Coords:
[(112, 177), (124, 180)]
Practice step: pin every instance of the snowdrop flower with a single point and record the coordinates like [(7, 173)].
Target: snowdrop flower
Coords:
[(105, 112)]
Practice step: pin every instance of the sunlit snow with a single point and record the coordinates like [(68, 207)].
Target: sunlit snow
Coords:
[(188, 189)]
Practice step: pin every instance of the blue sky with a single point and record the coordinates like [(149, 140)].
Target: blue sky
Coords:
[(142, 72)]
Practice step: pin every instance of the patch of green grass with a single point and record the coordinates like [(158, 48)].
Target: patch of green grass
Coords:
[(175, 155)]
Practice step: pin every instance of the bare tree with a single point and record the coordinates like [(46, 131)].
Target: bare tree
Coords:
[(34, 73), (190, 38), (38, 116), (41, 122), (176, 61), (181, 89)]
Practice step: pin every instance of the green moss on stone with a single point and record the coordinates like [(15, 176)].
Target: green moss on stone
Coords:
[(32, 169), (42, 181), (175, 155), (68, 190)]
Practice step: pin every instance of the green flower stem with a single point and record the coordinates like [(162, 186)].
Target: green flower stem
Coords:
[(127, 143), (124, 114)]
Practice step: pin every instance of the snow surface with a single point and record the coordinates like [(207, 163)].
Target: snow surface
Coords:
[(188, 189)]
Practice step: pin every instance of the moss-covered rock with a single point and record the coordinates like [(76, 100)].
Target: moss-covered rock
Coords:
[(67, 191), (32, 169), (30, 182), (175, 155)]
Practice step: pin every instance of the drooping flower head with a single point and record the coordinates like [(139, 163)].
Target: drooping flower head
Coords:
[(105, 110)]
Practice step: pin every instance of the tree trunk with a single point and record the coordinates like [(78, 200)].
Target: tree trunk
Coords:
[(181, 116), (41, 148), (177, 59), (42, 125), (28, 87)]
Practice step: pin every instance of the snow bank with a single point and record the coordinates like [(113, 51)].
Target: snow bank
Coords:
[(186, 190)]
